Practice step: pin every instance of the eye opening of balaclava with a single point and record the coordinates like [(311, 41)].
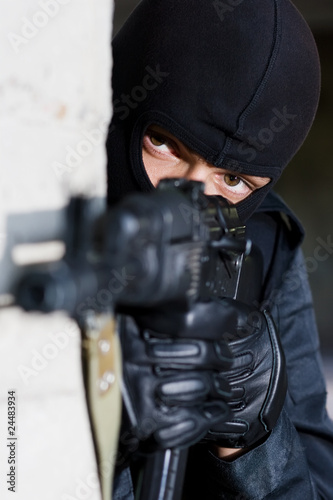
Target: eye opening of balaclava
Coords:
[(242, 94), (166, 123)]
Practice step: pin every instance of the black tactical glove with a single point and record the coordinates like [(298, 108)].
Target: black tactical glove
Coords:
[(174, 390), (257, 376)]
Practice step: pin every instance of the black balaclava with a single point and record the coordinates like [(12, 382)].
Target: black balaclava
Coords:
[(237, 82)]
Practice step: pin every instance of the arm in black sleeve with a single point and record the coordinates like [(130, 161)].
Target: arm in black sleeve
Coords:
[(296, 460), (306, 399)]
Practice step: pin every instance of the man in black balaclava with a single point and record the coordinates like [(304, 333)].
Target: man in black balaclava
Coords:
[(225, 92)]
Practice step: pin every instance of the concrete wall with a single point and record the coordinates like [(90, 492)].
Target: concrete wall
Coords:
[(54, 92)]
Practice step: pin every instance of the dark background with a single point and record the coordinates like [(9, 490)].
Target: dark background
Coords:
[(307, 184)]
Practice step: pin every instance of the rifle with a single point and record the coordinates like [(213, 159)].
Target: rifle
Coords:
[(175, 244)]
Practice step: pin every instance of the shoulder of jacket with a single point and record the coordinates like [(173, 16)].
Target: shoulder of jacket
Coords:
[(276, 207)]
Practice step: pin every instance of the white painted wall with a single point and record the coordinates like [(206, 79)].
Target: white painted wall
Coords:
[(55, 105)]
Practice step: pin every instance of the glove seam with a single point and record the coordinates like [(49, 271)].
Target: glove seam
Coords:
[(274, 348)]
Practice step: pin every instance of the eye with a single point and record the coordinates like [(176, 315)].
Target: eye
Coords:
[(234, 183), (159, 144), (232, 180), (157, 140), (229, 184), (232, 186)]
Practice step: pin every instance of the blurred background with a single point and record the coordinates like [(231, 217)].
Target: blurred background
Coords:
[(307, 184)]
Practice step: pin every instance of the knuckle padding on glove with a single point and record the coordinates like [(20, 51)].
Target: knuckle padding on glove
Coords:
[(190, 425), (179, 353), (185, 389), (171, 350)]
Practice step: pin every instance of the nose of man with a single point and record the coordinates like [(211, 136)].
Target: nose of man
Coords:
[(198, 170)]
